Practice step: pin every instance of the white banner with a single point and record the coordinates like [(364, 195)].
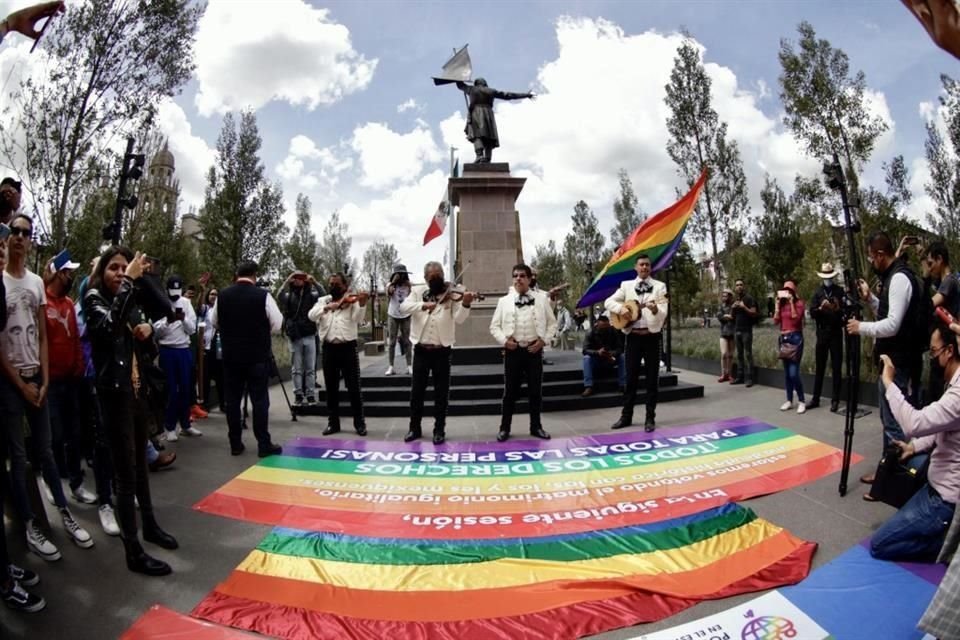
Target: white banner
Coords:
[(769, 617)]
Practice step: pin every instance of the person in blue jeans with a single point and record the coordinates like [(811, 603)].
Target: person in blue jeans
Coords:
[(919, 528), (789, 317), (603, 349)]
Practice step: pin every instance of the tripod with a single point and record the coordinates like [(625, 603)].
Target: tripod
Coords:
[(275, 371), (852, 309)]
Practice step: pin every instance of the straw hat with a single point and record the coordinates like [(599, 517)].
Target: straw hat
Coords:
[(827, 271)]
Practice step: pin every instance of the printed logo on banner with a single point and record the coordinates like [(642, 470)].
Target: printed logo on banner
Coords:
[(768, 628)]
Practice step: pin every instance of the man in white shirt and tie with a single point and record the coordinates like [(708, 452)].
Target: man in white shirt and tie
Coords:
[(434, 312), (522, 323), (337, 315), (642, 338)]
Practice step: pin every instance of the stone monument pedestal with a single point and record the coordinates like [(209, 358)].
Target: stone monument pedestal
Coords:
[(488, 241)]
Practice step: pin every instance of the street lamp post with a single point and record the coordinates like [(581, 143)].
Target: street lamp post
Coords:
[(589, 271)]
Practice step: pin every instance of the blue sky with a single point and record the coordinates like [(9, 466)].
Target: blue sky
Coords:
[(327, 81)]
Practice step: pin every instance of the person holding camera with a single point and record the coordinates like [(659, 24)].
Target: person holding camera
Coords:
[(745, 313), (917, 531), (297, 296), (936, 266), (176, 360), (789, 316), (398, 322), (727, 332), (826, 311), (114, 326)]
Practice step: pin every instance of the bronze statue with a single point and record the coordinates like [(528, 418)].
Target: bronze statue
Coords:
[(481, 126)]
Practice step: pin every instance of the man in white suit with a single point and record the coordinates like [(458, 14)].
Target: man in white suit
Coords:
[(522, 323), (642, 338), (435, 314)]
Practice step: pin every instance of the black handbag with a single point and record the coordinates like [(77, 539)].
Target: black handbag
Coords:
[(895, 482)]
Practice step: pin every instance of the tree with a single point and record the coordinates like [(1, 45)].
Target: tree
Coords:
[(109, 64), (549, 265), (942, 156), (625, 215), (824, 106), (744, 263), (697, 140), (684, 282), (242, 214), (301, 249), (378, 261), (334, 247), (582, 249), (778, 234)]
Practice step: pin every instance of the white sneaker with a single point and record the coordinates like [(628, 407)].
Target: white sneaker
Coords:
[(82, 495), (171, 436), (38, 543), (786, 406), (409, 370), (388, 372), (77, 533), (191, 431), (802, 408), (108, 520), (47, 493)]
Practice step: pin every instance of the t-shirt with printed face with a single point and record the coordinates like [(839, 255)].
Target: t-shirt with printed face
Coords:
[(21, 339)]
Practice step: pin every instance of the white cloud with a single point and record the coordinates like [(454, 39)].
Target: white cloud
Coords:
[(191, 153), (921, 204), (247, 56), (408, 105), (307, 166), (388, 158)]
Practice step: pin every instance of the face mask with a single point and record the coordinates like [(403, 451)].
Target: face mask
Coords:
[(336, 291), (67, 284), (828, 282), (436, 285)]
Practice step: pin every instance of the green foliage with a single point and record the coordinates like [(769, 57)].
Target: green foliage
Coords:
[(549, 265), (378, 261), (697, 140), (824, 106), (777, 235), (625, 215), (684, 281), (942, 156), (334, 247), (242, 215), (582, 249), (744, 263), (109, 64), (301, 251)]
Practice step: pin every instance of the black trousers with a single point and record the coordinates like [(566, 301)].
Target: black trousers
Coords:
[(213, 373), (517, 365), (425, 362), (642, 355), (127, 438), (341, 359), (831, 345), (253, 379)]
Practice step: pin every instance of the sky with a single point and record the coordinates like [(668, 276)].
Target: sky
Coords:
[(349, 116)]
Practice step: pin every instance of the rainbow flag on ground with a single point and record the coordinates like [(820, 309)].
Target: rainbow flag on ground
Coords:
[(659, 237), (526, 539)]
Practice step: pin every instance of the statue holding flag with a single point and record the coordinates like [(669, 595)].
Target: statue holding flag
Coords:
[(481, 126)]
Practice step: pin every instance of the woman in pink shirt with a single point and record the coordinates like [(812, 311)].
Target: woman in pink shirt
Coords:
[(789, 316)]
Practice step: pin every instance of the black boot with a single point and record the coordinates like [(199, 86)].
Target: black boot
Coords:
[(153, 533), (413, 434), (139, 562)]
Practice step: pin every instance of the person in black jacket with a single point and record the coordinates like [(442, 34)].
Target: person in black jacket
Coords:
[(297, 296), (114, 324), (825, 310), (603, 349)]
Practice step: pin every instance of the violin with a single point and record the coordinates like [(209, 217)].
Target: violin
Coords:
[(455, 293), (349, 298)]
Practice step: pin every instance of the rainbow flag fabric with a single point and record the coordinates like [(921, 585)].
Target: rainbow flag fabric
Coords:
[(658, 236), (523, 539)]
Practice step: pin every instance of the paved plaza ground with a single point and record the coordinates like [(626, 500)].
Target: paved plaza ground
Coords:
[(91, 595)]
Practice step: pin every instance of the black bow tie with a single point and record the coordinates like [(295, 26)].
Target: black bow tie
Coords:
[(524, 300), (643, 287)]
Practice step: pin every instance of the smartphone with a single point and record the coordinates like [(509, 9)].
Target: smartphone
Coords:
[(4, 232), (944, 315), (911, 240)]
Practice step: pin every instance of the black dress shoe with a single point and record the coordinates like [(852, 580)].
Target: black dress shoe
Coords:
[(621, 423), (270, 450), (737, 381), (331, 429), (412, 435), (540, 433), (749, 384), (439, 438), (235, 451), (147, 565), (813, 404), (649, 425), (503, 436), (834, 407), (159, 537), (361, 430)]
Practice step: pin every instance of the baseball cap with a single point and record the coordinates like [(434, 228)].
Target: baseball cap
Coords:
[(174, 285), (62, 261)]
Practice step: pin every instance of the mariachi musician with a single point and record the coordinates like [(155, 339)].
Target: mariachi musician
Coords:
[(649, 297), (337, 315), (436, 308)]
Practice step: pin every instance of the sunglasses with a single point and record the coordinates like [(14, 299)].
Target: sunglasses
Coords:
[(17, 231)]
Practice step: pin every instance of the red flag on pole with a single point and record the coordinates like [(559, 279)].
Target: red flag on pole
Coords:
[(437, 224)]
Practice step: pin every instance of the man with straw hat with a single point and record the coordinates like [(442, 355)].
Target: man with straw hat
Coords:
[(826, 311)]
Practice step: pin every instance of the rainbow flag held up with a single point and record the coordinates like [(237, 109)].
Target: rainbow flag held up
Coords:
[(658, 236), (525, 539)]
